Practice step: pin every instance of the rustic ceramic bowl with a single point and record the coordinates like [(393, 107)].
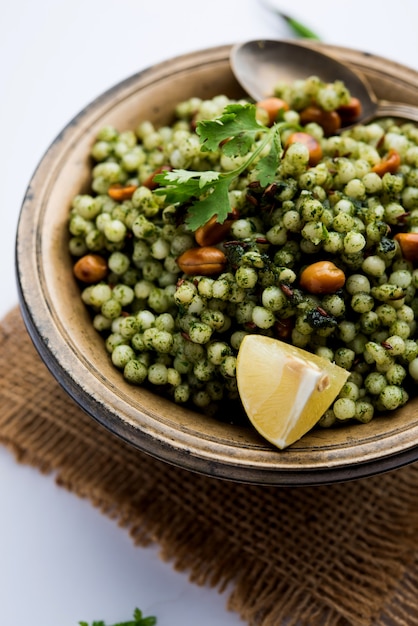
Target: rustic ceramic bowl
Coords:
[(62, 333)]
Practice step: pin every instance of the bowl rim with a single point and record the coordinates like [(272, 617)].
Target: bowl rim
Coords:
[(309, 462)]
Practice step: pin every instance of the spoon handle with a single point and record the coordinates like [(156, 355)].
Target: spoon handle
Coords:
[(385, 108)]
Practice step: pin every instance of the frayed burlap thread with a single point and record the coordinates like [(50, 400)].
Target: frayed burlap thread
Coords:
[(336, 555)]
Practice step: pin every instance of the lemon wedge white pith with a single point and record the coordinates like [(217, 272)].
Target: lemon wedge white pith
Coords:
[(284, 390)]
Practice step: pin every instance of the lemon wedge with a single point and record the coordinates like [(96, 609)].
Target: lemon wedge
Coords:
[(284, 390)]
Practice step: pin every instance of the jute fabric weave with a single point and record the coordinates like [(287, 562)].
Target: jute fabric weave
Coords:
[(337, 555)]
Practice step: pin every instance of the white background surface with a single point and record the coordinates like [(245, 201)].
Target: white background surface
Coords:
[(61, 561)]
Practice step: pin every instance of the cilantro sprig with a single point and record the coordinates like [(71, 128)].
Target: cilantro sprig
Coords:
[(235, 132), (138, 620)]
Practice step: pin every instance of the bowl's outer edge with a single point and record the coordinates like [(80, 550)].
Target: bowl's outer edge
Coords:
[(182, 438)]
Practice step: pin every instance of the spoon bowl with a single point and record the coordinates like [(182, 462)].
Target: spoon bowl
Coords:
[(259, 65)]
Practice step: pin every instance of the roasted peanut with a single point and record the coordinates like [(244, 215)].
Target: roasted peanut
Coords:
[(330, 121), (389, 164), (120, 192), (314, 147), (150, 182), (90, 268), (204, 261), (322, 277), (213, 231), (272, 106), (408, 243), (350, 112)]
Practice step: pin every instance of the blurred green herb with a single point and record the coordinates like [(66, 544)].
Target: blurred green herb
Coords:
[(298, 28), (138, 620)]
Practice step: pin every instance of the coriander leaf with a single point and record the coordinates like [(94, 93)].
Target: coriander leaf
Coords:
[(180, 193), (240, 145), (208, 177), (215, 203), (266, 167), (237, 118), (144, 621), (178, 189), (182, 185), (139, 620), (177, 176), (174, 176), (240, 134)]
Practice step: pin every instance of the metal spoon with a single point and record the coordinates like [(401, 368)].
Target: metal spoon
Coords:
[(259, 65)]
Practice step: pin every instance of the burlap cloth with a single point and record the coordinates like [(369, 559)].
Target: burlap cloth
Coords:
[(338, 555)]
